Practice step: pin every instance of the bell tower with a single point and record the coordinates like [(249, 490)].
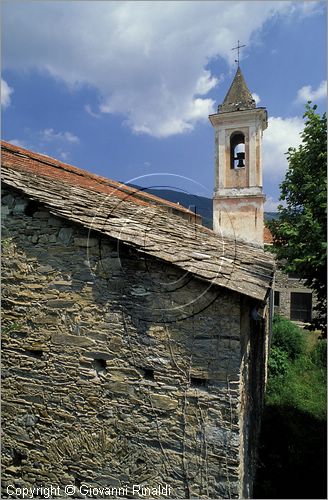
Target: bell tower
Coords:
[(238, 200)]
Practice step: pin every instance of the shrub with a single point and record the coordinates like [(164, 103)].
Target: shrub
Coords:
[(278, 362), (288, 337), (319, 354)]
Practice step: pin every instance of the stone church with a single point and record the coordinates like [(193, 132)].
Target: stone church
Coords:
[(134, 340)]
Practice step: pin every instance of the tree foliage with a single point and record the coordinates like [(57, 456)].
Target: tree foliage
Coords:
[(300, 232)]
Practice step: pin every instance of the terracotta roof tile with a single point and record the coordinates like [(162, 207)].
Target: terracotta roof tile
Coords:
[(267, 236)]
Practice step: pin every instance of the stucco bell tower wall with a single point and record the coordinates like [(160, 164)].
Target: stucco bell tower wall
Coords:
[(238, 200)]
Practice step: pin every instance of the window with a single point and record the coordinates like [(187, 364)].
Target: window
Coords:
[(100, 365), (198, 382), (31, 208), (301, 307), (276, 299), (148, 373), (237, 150)]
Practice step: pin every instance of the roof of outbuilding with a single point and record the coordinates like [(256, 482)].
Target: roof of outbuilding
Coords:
[(97, 204), (267, 236), (238, 97), (50, 167)]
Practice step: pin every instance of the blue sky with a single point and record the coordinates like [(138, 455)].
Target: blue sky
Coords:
[(124, 89)]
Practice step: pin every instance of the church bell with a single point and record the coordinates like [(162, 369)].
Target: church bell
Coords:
[(241, 160)]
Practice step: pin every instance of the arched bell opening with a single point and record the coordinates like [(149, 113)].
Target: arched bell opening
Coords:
[(237, 150)]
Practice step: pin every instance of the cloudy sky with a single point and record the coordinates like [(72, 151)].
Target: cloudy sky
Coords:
[(124, 89)]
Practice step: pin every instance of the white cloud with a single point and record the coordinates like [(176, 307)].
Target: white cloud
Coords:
[(309, 8), (281, 134), (148, 60), (19, 143), (205, 83), (88, 109), (64, 155), (306, 93), (6, 92), (256, 98), (49, 134), (47, 141), (271, 204)]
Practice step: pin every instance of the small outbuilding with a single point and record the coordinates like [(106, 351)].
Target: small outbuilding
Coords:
[(134, 340)]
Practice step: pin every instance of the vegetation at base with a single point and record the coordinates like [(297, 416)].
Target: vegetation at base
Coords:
[(292, 452), (299, 234), (292, 456), (278, 363), (297, 369), (288, 337)]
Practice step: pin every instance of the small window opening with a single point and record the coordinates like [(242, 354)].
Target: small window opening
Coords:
[(198, 382), (18, 457), (77, 482), (237, 150), (276, 299), (37, 354), (31, 208), (100, 365), (148, 373)]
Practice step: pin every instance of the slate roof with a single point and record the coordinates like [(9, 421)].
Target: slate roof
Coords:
[(238, 98), (93, 202)]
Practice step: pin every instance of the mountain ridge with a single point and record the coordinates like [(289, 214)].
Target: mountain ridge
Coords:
[(201, 204)]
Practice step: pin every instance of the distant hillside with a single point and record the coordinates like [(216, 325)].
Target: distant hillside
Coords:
[(270, 216), (202, 204)]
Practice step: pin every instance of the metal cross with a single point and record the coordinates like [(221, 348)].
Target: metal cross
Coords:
[(237, 48)]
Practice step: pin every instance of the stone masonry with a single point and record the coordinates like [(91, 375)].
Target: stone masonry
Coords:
[(285, 286), (119, 369)]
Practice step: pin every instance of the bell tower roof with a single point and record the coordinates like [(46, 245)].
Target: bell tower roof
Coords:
[(238, 97)]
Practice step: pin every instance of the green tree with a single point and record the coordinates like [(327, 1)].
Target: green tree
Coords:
[(300, 232)]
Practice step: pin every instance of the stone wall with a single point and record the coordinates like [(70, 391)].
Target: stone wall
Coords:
[(255, 345), (285, 285), (118, 370)]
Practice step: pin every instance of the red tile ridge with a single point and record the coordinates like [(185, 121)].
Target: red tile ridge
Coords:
[(24, 159)]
